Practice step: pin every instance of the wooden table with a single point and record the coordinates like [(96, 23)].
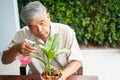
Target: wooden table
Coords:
[(79, 77), (37, 77)]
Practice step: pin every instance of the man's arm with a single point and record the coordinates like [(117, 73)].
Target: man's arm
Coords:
[(10, 54), (71, 68)]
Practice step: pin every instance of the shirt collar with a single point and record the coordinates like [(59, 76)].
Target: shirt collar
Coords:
[(53, 30)]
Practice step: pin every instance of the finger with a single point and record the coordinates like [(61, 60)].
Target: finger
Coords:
[(30, 47), (26, 50)]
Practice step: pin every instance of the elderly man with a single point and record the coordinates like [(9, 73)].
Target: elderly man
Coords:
[(38, 29)]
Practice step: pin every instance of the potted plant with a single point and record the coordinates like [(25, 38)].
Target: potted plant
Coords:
[(50, 51)]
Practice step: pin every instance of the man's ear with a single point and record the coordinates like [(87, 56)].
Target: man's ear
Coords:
[(48, 15)]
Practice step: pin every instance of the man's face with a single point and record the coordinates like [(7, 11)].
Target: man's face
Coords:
[(40, 26)]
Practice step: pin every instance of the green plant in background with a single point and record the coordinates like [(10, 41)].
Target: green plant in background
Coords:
[(95, 22)]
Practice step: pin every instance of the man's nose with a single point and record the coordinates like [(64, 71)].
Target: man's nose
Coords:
[(39, 28)]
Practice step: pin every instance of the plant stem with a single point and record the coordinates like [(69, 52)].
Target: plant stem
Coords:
[(48, 66)]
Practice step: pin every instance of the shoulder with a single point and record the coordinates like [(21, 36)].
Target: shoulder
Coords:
[(65, 31), (62, 27), (23, 33), (24, 30)]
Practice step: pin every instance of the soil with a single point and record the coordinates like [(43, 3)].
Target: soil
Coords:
[(55, 75)]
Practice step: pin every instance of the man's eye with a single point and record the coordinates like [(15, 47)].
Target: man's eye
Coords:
[(32, 27), (42, 23)]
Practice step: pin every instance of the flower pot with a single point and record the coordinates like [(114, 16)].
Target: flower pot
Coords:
[(50, 77)]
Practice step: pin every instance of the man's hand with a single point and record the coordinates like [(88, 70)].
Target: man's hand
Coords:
[(23, 47), (71, 68)]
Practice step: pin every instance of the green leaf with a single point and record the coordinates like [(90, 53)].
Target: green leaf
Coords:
[(60, 51), (39, 58), (26, 54), (49, 53), (52, 41)]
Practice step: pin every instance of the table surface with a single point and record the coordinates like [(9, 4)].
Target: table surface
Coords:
[(37, 77)]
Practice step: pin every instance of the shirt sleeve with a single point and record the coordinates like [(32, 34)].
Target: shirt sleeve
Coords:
[(75, 52), (16, 39)]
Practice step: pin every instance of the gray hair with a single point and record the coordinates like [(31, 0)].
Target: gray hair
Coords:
[(32, 10)]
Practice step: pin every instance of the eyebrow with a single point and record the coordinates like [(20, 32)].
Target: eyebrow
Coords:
[(42, 20)]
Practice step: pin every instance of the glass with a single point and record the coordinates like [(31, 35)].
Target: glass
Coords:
[(24, 59)]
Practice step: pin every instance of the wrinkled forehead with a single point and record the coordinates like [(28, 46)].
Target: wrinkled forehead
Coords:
[(37, 19)]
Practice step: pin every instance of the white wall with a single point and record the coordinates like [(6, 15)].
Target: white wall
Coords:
[(9, 21)]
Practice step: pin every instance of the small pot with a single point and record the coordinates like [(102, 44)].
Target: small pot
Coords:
[(45, 76)]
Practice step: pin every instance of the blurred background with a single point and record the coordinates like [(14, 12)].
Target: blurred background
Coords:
[(96, 23)]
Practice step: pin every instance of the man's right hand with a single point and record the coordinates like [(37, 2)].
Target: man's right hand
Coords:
[(23, 47)]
